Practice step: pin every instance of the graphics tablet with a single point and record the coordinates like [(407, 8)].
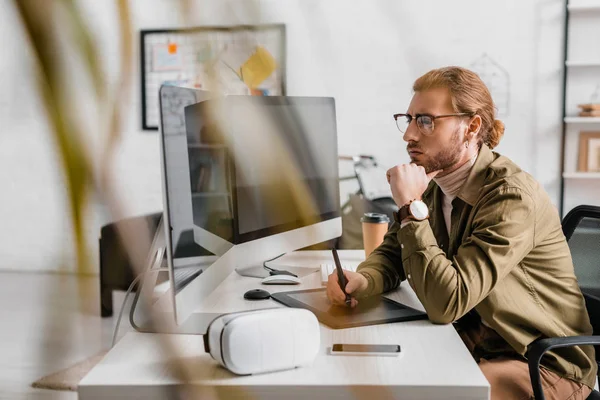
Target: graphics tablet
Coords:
[(369, 311)]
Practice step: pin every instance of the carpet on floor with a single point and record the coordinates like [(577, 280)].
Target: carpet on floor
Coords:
[(69, 378)]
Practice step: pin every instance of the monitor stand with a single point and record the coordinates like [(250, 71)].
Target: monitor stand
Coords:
[(257, 271), (260, 272), (163, 321)]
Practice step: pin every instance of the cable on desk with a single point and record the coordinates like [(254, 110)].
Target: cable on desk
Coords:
[(272, 259), (136, 280), (273, 271)]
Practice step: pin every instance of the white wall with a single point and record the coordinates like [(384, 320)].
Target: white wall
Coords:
[(365, 53)]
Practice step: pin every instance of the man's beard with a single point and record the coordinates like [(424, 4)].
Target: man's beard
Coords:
[(446, 158)]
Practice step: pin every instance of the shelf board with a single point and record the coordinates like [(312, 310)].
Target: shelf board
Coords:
[(581, 175), (582, 120), (582, 64), (583, 7)]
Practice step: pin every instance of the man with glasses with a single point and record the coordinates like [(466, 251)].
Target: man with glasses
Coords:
[(480, 243)]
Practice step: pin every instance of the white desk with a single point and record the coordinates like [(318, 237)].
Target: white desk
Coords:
[(434, 364)]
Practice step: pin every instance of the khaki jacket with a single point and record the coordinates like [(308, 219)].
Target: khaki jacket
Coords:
[(506, 258)]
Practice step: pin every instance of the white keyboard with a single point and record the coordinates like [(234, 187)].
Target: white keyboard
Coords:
[(328, 269)]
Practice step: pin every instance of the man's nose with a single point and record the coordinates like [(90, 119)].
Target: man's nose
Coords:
[(412, 132)]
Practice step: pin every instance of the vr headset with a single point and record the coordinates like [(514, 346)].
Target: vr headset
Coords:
[(254, 342)]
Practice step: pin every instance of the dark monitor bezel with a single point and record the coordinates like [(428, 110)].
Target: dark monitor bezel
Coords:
[(238, 237)]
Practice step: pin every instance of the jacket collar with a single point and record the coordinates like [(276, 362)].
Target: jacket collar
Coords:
[(470, 190)]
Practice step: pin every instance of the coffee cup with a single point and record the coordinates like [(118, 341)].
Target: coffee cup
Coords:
[(374, 227)]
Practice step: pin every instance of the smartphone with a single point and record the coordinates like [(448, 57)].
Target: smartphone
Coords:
[(366, 349)]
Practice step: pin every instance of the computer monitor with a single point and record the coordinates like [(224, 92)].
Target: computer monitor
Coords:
[(269, 166), (245, 179)]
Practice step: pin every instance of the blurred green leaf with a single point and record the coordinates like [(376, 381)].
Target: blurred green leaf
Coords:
[(37, 20), (87, 47)]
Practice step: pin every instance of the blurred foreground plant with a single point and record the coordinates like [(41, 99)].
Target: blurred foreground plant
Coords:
[(52, 27)]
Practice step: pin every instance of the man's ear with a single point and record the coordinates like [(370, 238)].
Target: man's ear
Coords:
[(474, 126)]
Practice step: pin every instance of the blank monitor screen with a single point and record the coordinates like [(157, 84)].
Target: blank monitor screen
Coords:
[(269, 165)]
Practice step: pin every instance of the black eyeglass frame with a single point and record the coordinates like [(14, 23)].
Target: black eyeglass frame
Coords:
[(433, 118)]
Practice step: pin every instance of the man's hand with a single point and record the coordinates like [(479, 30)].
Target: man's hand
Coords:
[(408, 182), (356, 283)]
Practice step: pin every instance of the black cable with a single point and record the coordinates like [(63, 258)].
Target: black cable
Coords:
[(273, 271), (272, 259)]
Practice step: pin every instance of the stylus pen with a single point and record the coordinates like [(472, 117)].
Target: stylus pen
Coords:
[(341, 276)]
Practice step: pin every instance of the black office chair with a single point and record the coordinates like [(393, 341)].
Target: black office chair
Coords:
[(581, 227), (116, 272)]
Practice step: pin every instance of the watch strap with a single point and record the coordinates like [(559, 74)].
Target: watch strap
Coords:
[(404, 213)]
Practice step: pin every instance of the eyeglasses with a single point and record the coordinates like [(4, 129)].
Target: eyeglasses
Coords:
[(425, 122)]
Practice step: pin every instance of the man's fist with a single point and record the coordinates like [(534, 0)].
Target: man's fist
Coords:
[(408, 182)]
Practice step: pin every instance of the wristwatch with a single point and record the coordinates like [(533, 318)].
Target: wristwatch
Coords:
[(416, 210)]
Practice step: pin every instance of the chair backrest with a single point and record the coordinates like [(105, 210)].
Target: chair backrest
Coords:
[(581, 227)]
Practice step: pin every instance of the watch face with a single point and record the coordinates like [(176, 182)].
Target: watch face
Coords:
[(419, 210)]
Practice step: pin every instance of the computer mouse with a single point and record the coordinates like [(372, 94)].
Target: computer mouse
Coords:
[(257, 294), (281, 280)]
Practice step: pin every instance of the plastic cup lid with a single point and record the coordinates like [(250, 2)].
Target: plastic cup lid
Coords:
[(375, 218)]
